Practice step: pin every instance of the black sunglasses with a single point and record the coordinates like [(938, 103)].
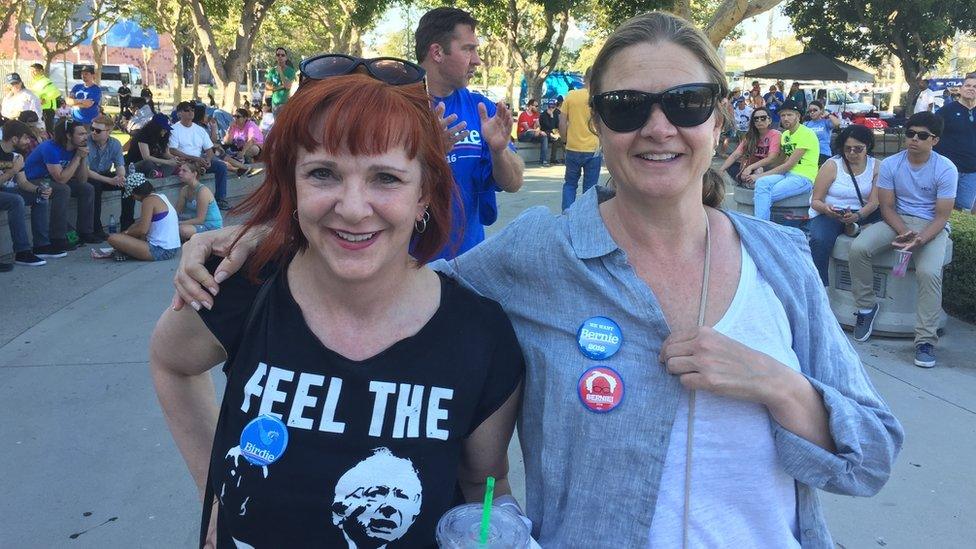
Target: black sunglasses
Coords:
[(922, 136), (96, 130), (684, 106), (393, 71), (761, 118)]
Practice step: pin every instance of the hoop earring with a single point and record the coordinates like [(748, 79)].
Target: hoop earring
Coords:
[(421, 225), (294, 214)]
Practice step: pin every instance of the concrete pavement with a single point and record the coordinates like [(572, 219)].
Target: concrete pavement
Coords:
[(89, 462)]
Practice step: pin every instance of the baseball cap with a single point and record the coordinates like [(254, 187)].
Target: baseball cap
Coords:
[(161, 120), (88, 68), (14, 78), (789, 105)]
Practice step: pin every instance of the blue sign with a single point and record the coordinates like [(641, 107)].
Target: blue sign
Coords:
[(264, 440), (599, 338)]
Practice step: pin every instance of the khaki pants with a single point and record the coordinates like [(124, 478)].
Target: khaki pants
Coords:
[(876, 239)]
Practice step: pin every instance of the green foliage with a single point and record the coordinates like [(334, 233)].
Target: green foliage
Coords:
[(916, 32), (609, 14), (959, 279)]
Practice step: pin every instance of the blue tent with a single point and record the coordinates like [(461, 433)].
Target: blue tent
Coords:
[(557, 84)]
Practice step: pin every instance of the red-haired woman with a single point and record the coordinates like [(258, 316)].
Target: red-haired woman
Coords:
[(363, 389)]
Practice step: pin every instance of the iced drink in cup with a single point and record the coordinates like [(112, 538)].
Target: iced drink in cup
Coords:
[(901, 267), (460, 528)]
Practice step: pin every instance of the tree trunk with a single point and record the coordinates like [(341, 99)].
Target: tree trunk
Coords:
[(196, 75), (732, 12), (227, 68), (533, 85)]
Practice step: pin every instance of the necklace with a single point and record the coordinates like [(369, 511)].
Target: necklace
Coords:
[(691, 396)]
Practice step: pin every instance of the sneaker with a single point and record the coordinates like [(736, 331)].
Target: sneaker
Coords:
[(924, 355), (865, 323), (49, 251), (90, 238), (545, 164), (241, 172), (64, 245), (223, 204), (6, 267), (29, 259)]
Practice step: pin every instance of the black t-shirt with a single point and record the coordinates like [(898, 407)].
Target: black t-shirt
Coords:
[(152, 136), (125, 96), (373, 446), (548, 122)]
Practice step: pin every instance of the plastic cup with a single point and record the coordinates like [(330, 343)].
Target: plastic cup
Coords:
[(901, 267), (460, 528)]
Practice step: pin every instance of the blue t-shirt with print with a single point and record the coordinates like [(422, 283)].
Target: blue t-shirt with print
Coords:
[(470, 161), (823, 128), (81, 91), (48, 152)]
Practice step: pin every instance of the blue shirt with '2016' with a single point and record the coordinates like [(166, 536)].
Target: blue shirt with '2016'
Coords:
[(82, 92), (470, 161)]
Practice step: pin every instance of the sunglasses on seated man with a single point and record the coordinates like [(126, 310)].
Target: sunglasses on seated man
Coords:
[(393, 71), (922, 136), (685, 106)]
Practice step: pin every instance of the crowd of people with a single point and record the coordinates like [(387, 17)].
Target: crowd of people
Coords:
[(378, 353), (902, 202), (60, 147)]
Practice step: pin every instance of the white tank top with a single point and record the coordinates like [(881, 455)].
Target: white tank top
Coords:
[(165, 232), (841, 193), (740, 494)]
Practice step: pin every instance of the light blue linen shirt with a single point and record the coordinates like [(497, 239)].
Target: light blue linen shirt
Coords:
[(592, 479)]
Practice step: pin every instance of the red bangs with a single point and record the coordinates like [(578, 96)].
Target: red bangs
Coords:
[(358, 115)]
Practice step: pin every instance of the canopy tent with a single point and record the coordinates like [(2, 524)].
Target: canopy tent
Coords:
[(811, 65)]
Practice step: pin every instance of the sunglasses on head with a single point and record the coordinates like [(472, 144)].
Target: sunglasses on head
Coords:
[(684, 106), (922, 136), (393, 71)]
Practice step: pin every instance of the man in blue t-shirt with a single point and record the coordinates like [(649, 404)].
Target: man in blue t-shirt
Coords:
[(85, 98), (482, 157), (62, 163), (958, 142), (916, 191), (774, 100)]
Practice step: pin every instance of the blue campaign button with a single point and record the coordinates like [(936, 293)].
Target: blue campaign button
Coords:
[(263, 440), (599, 338)]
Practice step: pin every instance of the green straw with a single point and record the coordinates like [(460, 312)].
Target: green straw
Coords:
[(486, 511)]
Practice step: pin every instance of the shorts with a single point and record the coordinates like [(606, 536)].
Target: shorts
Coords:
[(206, 227), (162, 254)]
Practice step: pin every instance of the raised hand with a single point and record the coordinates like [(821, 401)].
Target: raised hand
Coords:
[(496, 130), (452, 134)]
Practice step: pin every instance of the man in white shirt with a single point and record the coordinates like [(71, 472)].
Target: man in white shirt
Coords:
[(18, 99), (926, 98), (191, 142)]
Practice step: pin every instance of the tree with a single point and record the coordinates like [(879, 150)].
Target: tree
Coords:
[(918, 33), (227, 64), (716, 18), (8, 8), (335, 26), (55, 27), (113, 12), (532, 35), (171, 17)]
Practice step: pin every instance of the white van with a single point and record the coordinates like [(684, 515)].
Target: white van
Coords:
[(66, 75)]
